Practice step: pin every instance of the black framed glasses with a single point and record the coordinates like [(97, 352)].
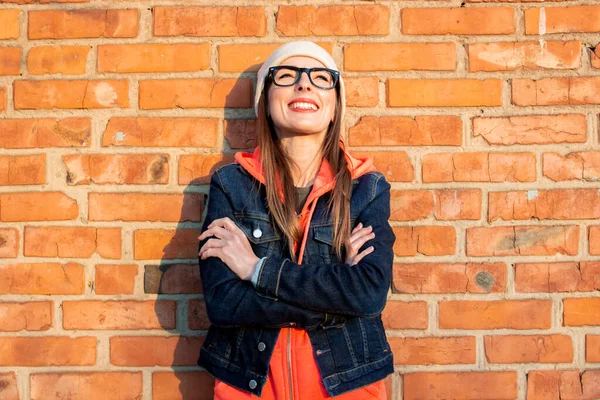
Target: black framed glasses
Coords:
[(287, 75)]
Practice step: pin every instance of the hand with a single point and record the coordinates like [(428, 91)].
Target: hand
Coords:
[(357, 239), (230, 245)]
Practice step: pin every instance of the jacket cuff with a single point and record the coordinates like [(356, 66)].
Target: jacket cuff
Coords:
[(268, 278), (257, 268)]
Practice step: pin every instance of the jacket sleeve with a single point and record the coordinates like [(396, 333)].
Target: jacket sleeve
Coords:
[(358, 290), (231, 301)]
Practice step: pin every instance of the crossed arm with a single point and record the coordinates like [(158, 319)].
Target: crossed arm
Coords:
[(287, 292)]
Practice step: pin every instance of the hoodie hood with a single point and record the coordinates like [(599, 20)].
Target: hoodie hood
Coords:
[(252, 163)]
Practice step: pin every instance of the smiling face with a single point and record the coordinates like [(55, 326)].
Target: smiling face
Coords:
[(301, 109)]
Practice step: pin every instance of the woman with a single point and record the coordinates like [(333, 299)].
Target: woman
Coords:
[(296, 249)]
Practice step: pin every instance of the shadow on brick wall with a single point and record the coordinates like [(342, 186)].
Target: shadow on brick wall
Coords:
[(176, 280)]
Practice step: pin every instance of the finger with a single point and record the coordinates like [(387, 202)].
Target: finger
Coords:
[(358, 235), (212, 243), (357, 227), (212, 252), (362, 254), (224, 222), (216, 231), (362, 239)]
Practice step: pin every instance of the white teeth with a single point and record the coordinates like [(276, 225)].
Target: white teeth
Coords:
[(307, 106)]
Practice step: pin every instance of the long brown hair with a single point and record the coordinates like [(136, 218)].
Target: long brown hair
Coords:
[(277, 164)]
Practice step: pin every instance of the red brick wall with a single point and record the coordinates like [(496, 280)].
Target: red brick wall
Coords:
[(482, 114)]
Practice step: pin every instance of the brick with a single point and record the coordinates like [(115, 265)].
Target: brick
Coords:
[(149, 351), (182, 385), (28, 133), (244, 57), (405, 315), (65, 94), (65, 242), (9, 23), (50, 278), (557, 277), (449, 278), (21, 207), (86, 385), (362, 91), (444, 92), (433, 350), (510, 1), (458, 21), (165, 207), (11, 60), (541, 349), (442, 205), (592, 348), (595, 57), (156, 244), (23, 170), (196, 169), (556, 91), (196, 93), (210, 21), (130, 169), (400, 56), (47, 350), (557, 385), (8, 383), (9, 242), (576, 19), (161, 132), (69, 24), (172, 57), (333, 20), (44, 1), (500, 314), (197, 315), (131, 315), (249, 57), (531, 129), (510, 56), (30, 316), (584, 166), (544, 204), (395, 165), (426, 240), (406, 131), (522, 240), (581, 312), (66, 60), (172, 278), (240, 133), (488, 385), (115, 279), (2, 98), (479, 167), (594, 239)]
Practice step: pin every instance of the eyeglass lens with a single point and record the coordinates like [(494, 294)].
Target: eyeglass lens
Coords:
[(288, 76)]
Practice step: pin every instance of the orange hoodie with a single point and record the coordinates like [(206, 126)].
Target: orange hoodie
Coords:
[(293, 371)]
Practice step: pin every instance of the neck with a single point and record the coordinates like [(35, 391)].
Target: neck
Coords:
[(305, 152)]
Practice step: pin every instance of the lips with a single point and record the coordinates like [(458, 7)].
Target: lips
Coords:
[(303, 104)]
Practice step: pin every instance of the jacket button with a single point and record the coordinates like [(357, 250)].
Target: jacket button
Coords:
[(257, 233), (262, 346), (252, 384)]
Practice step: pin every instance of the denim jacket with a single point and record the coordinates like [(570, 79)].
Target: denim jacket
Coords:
[(337, 304)]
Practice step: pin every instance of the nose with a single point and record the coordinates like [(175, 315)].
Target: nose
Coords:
[(303, 82)]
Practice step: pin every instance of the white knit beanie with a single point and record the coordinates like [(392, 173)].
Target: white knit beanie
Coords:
[(292, 49)]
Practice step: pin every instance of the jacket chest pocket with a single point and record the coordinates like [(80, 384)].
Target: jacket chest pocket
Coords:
[(323, 244), (263, 238)]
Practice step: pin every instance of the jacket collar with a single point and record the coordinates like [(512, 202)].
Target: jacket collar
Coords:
[(325, 179)]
